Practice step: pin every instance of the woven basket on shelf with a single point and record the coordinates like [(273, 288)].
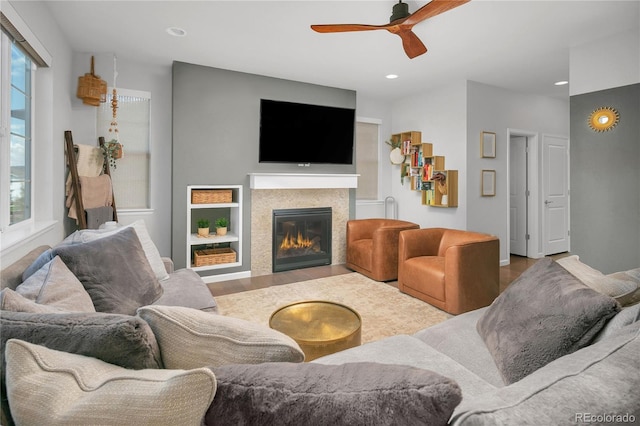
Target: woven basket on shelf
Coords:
[(91, 88), (209, 257), (210, 196)]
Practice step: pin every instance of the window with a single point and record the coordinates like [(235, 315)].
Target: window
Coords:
[(367, 160), (16, 128), (131, 175)]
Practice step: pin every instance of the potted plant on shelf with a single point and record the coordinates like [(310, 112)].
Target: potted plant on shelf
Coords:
[(221, 226), (203, 227)]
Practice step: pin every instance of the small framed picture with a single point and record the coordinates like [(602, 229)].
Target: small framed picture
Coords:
[(488, 183), (488, 145)]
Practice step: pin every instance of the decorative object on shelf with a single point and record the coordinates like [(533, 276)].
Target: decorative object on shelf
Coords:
[(603, 119), (488, 183), (112, 149), (441, 179), (221, 226), (203, 227), (488, 145), (395, 155), (91, 88)]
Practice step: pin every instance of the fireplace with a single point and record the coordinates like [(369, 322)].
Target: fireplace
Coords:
[(301, 238)]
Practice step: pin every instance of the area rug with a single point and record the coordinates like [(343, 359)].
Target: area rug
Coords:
[(383, 309)]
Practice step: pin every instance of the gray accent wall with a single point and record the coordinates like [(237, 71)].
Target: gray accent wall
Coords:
[(216, 119), (605, 181)]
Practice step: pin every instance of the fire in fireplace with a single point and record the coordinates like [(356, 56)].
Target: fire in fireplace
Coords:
[(301, 238)]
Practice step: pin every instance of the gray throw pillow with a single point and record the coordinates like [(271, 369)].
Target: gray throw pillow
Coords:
[(544, 314), (114, 271), (346, 394), (122, 340)]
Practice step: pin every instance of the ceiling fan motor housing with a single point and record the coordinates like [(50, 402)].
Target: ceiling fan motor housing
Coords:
[(400, 10)]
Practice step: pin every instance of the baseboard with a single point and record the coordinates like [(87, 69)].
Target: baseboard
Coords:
[(226, 277)]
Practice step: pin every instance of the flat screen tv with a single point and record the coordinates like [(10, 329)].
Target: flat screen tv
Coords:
[(305, 134)]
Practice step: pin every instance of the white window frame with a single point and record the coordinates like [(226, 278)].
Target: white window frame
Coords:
[(374, 148), (5, 138), (15, 235)]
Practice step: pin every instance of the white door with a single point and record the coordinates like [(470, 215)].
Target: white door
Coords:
[(555, 193), (518, 195)]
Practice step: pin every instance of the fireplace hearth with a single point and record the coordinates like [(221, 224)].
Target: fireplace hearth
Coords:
[(301, 238)]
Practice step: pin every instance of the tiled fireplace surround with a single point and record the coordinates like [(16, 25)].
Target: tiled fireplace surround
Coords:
[(270, 191)]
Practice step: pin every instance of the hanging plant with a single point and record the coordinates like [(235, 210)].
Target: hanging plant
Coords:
[(112, 151)]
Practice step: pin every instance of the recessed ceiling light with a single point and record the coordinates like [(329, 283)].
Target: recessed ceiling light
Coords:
[(561, 83), (391, 76), (176, 32)]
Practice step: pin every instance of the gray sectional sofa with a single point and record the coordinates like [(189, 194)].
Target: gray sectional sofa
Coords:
[(549, 351)]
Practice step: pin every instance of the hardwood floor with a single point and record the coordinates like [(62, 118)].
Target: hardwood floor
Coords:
[(507, 275)]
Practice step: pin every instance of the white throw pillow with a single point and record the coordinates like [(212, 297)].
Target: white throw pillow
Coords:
[(190, 338), (150, 250), (605, 284), (49, 387), (55, 285)]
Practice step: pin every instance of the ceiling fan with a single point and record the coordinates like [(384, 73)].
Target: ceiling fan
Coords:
[(401, 23)]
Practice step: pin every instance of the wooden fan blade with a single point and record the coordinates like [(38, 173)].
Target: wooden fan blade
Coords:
[(340, 28), (431, 9), (413, 46)]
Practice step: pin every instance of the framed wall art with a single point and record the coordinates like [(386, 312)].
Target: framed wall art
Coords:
[(488, 183), (488, 145)]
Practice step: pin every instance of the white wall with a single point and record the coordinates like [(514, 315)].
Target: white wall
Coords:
[(136, 76), (441, 116), (495, 109), (606, 63)]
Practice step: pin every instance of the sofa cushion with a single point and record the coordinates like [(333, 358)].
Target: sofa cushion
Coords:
[(11, 275), (544, 314), (458, 338), (114, 271), (185, 287), (599, 380), (55, 285), (610, 285), (150, 250), (50, 387), (315, 394), (189, 338)]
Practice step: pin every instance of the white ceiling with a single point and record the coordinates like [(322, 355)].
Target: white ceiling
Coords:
[(517, 44)]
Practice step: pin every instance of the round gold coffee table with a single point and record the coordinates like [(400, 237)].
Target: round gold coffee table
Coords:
[(319, 327)]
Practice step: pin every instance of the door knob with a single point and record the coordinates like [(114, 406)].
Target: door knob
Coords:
[(548, 202)]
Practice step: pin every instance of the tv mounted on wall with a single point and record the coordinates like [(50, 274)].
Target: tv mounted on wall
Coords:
[(305, 134)]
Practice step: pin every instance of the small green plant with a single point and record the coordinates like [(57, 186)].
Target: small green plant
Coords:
[(203, 223), (222, 222)]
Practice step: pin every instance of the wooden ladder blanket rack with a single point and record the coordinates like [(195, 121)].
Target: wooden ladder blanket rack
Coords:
[(75, 180)]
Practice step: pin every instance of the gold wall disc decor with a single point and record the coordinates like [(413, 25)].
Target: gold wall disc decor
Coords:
[(603, 119)]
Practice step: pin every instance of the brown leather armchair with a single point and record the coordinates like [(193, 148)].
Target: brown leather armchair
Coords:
[(372, 246), (454, 270)]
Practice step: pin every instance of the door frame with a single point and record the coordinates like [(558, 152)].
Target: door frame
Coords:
[(534, 229)]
